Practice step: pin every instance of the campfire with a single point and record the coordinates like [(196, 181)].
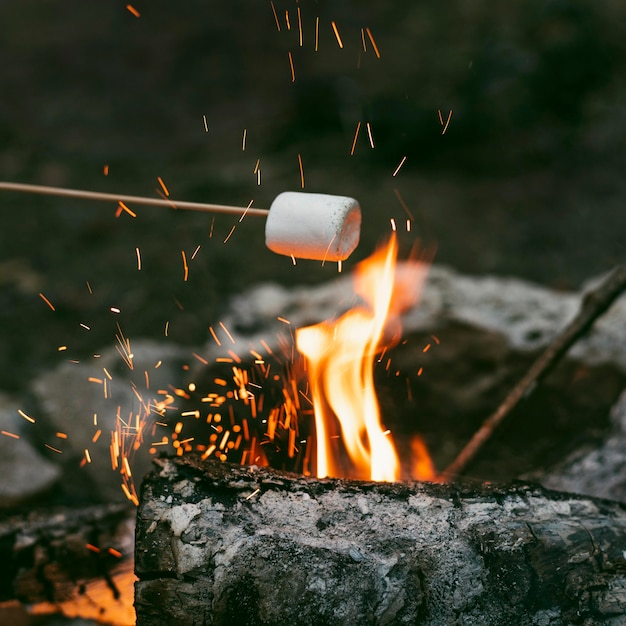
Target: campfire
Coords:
[(400, 444), (318, 416)]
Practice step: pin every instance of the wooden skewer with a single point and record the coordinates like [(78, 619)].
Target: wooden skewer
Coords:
[(96, 195)]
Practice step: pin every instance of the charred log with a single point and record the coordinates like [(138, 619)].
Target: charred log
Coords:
[(220, 544), (51, 556)]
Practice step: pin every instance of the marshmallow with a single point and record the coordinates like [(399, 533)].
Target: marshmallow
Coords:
[(313, 226)]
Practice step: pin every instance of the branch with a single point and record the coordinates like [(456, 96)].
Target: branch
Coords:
[(594, 304)]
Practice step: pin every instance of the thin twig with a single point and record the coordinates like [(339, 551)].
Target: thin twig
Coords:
[(594, 304)]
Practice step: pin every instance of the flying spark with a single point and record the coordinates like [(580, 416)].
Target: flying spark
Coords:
[(301, 171), (399, 166), (47, 301), (356, 136), (275, 16), (165, 190), (447, 122), (376, 51), (369, 134), (336, 31), (293, 71)]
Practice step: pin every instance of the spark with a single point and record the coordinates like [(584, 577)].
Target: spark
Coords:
[(62, 348), (252, 494), (114, 552), (123, 206), (123, 348), (369, 134), (243, 140), (61, 435), (8, 434), (249, 203), (356, 136), (138, 253), (114, 309), (232, 230), (185, 266), (206, 126), (317, 32), (293, 70), (299, 27), (85, 326), (363, 40), (235, 356), (426, 348), (283, 320), (28, 418), (133, 10), (293, 259), (420, 371), (227, 333), (87, 456), (167, 327), (92, 548), (393, 224), (376, 51), (339, 266), (165, 190), (408, 226), (287, 22), (301, 171), (106, 170), (436, 339), (337, 34), (193, 256), (51, 448), (403, 203), (47, 301), (275, 16), (96, 436), (89, 288), (447, 122), (399, 166), (130, 496), (93, 379), (217, 341), (202, 360)]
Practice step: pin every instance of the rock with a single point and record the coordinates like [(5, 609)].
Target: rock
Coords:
[(75, 405), (598, 468), (528, 316), (27, 473)]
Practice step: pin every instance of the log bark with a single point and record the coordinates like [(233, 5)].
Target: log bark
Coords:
[(220, 544)]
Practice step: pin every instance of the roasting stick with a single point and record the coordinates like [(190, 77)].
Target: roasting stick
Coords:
[(594, 304), (107, 197), (299, 225)]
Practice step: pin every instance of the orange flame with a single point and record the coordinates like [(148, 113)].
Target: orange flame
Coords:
[(350, 438)]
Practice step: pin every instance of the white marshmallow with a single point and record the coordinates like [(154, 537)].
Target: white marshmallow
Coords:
[(313, 226)]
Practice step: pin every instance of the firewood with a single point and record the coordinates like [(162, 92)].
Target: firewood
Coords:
[(224, 544), (77, 561)]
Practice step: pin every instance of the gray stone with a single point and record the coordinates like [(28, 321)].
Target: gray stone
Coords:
[(68, 400), (26, 473), (528, 316)]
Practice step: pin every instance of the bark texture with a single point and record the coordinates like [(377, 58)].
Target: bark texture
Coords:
[(220, 544)]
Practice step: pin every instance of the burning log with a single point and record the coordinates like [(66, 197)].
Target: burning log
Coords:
[(222, 544), (76, 561)]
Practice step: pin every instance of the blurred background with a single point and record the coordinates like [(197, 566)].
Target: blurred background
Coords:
[(527, 179)]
